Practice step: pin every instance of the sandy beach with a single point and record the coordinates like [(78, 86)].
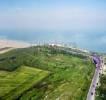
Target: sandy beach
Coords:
[(13, 43), (6, 45)]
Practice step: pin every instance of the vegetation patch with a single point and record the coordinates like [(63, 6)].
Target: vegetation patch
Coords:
[(12, 84), (70, 73), (102, 89)]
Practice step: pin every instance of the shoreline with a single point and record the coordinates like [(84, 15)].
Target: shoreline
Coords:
[(7, 45), (13, 43)]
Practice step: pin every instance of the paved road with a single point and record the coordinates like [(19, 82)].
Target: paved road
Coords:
[(95, 80)]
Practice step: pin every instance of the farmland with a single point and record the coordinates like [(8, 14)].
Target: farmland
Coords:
[(65, 76), (12, 84)]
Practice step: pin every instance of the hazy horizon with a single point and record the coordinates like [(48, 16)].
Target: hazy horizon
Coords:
[(79, 21)]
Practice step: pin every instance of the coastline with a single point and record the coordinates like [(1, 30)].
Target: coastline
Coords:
[(7, 45), (13, 43)]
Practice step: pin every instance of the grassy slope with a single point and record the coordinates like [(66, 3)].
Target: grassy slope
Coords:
[(12, 84), (70, 74), (70, 80)]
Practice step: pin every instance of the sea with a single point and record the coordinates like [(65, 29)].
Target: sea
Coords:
[(92, 40)]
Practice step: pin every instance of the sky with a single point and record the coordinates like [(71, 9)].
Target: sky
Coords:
[(80, 21)]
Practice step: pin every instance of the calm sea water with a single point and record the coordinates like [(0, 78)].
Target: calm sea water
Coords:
[(94, 41)]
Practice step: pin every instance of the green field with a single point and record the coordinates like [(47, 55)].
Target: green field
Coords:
[(12, 84), (69, 79)]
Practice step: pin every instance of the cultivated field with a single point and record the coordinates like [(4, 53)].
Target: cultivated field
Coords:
[(12, 84), (69, 79)]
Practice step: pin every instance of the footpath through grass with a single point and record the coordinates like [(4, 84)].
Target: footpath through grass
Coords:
[(12, 84)]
